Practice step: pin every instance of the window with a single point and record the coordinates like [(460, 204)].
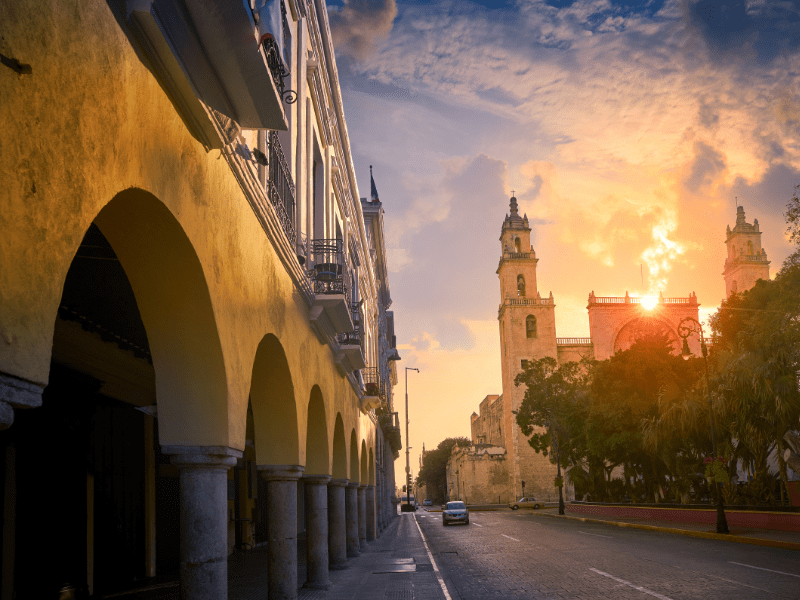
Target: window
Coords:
[(524, 364), (517, 245), (530, 326), (520, 285)]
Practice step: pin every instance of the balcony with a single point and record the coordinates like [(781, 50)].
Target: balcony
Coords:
[(351, 344), (332, 285), (390, 424), (203, 53), (374, 388)]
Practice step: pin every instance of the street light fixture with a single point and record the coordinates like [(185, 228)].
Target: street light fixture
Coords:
[(687, 327), (408, 449)]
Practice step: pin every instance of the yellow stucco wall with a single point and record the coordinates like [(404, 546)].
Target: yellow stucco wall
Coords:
[(89, 125)]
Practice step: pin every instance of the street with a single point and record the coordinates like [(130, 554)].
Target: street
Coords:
[(529, 554)]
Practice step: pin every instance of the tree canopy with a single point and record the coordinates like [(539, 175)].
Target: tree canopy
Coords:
[(433, 473)]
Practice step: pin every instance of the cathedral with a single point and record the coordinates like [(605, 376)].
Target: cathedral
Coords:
[(501, 464)]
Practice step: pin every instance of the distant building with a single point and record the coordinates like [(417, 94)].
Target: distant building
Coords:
[(747, 260)]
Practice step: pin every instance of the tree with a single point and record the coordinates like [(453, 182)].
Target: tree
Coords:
[(433, 473), (553, 412)]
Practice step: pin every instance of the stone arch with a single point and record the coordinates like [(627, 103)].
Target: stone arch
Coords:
[(371, 479), (174, 302), (364, 464), (274, 407), (520, 285), (517, 245), (530, 327), (354, 466), (317, 458), (643, 326), (339, 467)]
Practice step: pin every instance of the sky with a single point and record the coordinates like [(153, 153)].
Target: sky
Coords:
[(626, 128)]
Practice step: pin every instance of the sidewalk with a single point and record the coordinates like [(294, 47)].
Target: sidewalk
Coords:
[(789, 540), (396, 566)]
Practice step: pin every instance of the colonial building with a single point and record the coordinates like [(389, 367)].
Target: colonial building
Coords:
[(528, 332), (197, 350)]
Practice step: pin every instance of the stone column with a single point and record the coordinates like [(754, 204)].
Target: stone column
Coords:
[(204, 519), (362, 516), (17, 393), (281, 529), (316, 509), (337, 524), (351, 518), (371, 525)]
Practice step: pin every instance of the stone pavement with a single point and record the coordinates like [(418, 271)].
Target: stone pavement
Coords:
[(396, 566)]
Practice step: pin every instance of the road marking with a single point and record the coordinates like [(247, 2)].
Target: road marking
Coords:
[(433, 562), (509, 537), (477, 524), (597, 534), (629, 584), (763, 569)]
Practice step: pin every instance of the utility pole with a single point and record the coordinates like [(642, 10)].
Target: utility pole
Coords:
[(408, 449)]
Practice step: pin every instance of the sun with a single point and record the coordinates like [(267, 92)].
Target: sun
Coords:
[(649, 302)]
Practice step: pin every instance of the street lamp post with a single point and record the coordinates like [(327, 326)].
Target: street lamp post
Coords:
[(686, 327), (554, 440), (408, 449)]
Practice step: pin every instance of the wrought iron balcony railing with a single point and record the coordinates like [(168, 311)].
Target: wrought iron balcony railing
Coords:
[(352, 338), (329, 271), (373, 382), (272, 49), (280, 186)]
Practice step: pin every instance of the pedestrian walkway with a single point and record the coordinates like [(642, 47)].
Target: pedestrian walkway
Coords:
[(746, 535), (396, 566)]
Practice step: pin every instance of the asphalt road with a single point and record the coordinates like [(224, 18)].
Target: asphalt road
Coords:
[(527, 554)]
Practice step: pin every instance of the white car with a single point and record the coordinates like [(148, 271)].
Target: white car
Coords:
[(527, 502), (455, 512)]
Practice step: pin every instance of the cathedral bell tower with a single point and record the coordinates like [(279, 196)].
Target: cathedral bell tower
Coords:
[(527, 321), (747, 260), (527, 332)]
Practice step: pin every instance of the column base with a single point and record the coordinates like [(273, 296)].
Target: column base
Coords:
[(316, 586), (339, 567)]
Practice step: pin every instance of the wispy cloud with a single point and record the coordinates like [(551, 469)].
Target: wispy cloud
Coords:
[(359, 24)]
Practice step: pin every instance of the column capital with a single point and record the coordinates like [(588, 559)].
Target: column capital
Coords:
[(316, 478), (362, 486), (280, 472), (206, 457), (353, 484), (20, 393), (338, 482), (370, 487)]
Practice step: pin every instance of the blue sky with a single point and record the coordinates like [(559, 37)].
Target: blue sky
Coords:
[(626, 128)]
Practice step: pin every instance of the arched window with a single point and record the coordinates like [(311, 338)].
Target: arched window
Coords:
[(517, 245), (530, 326), (520, 285), (749, 247)]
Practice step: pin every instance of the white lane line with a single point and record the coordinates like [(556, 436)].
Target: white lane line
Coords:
[(509, 537), (763, 569), (477, 524), (629, 584), (597, 534), (433, 562)]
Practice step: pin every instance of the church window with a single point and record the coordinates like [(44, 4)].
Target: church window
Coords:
[(524, 364), (520, 285), (749, 247), (530, 326), (517, 245)]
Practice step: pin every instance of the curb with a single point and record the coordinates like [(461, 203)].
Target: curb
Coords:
[(698, 534)]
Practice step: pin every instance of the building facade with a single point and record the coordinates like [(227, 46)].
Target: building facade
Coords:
[(198, 352)]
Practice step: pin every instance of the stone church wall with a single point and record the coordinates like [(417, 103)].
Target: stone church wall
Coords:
[(478, 474)]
